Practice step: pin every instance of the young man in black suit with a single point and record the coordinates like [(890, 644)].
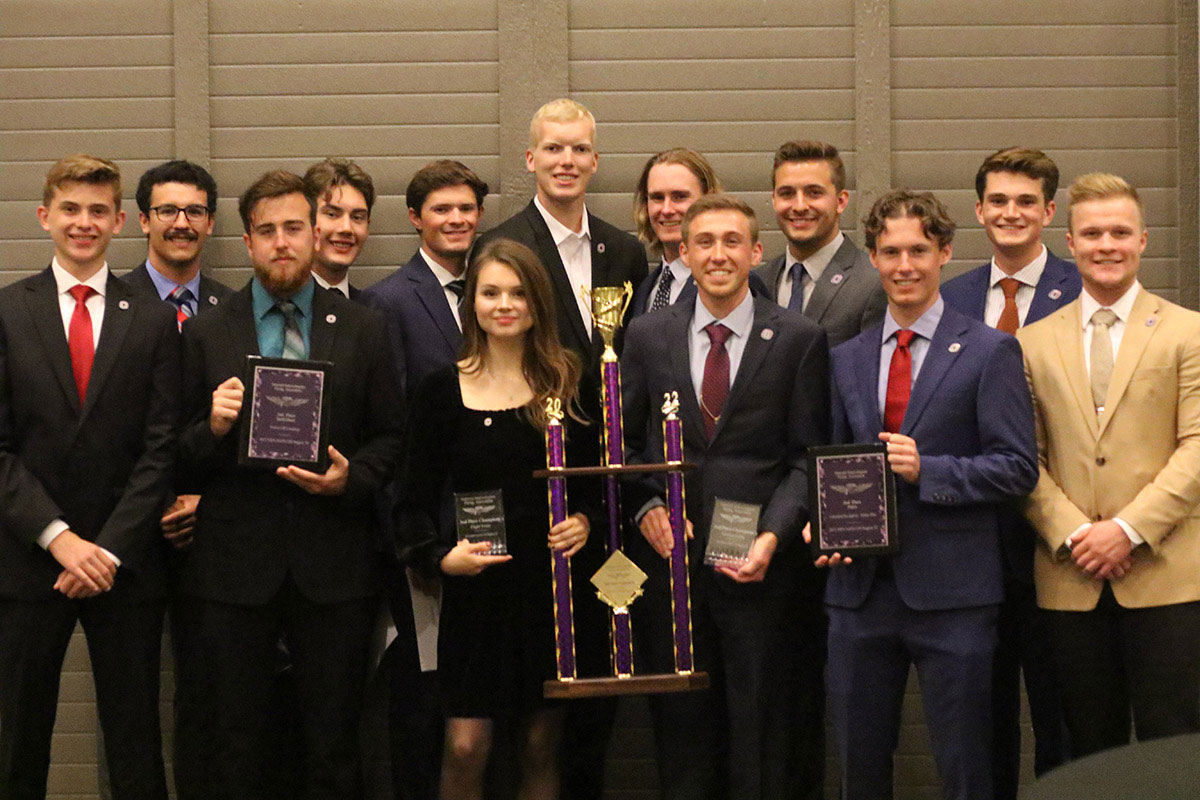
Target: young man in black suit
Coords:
[(345, 195), (289, 551), (753, 392), (89, 381)]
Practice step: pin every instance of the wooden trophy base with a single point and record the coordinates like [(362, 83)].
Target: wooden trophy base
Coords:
[(634, 684)]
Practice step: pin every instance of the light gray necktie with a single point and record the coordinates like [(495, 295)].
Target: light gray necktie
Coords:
[(1101, 354), (293, 340)]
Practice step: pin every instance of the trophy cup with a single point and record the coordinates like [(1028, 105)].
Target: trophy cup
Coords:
[(619, 581)]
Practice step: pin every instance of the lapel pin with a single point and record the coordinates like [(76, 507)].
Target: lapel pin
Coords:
[(123, 305), (767, 334), (331, 318), (1149, 322), (838, 278), (600, 247), (1055, 294), (212, 300), (954, 347)]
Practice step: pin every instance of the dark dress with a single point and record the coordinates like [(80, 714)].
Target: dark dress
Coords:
[(496, 637)]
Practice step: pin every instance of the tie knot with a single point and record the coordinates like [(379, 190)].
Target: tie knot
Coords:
[(289, 309), (1104, 316), (1009, 286), (904, 337), (81, 293), (798, 272), (457, 287), (717, 333), (180, 295)]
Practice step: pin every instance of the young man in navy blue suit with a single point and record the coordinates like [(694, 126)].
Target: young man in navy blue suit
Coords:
[(948, 396), (1022, 283), (420, 303)]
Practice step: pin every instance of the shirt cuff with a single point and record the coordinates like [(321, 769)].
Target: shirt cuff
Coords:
[(51, 532), (55, 528), (1135, 539), (1065, 550), (652, 503)]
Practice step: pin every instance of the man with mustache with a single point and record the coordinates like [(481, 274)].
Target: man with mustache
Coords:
[(287, 552), (345, 195)]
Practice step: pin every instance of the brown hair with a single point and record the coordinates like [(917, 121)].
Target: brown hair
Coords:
[(275, 183), (82, 168), (438, 175), (807, 150), (923, 206), (1023, 161), (1102, 186), (324, 175), (699, 166), (720, 201), (551, 369)]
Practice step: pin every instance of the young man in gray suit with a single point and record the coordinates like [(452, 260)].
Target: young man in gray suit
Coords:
[(838, 288)]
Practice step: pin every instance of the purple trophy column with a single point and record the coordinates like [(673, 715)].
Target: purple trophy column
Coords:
[(564, 618), (614, 455), (681, 609)]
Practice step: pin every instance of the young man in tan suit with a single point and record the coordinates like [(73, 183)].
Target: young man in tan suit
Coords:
[(1116, 382)]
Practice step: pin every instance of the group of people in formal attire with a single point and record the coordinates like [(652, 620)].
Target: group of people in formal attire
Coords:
[(1041, 419)]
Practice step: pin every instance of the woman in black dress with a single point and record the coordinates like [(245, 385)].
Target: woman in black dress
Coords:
[(479, 426)]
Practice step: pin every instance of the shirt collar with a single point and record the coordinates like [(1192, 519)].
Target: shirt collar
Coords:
[(815, 264), (678, 269), (1122, 308), (343, 286), (443, 275), (559, 232), (925, 326), (264, 301), (65, 281), (1029, 274), (740, 320), (164, 285)]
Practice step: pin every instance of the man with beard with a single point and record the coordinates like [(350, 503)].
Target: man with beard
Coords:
[(287, 552), (345, 195)]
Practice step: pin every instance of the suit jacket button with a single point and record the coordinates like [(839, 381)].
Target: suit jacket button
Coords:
[(1101, 461), (1097, 518)]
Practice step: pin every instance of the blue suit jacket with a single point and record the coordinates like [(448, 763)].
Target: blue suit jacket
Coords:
[(1060, 284), (424, 335), (971, 416)]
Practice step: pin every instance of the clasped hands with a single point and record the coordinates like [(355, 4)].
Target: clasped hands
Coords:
[(227, 404), (655, 526), (87, 569), (1102, 550), (471, 558)]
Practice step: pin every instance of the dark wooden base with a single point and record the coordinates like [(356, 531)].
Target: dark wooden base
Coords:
[(635, 684)]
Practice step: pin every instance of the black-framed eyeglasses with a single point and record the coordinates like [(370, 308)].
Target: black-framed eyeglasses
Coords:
[(169, 213)]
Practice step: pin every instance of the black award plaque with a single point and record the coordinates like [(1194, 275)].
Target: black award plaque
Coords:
[(852, 498), (732, 533), (479, 517), (285, 413)]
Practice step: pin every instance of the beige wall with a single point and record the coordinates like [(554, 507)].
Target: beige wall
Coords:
[(914, 93)]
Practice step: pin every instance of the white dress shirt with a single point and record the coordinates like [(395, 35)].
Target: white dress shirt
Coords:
[(444, 278), (1028, 277), (64, 282), (814, 265), (575, 250), (342, 286)]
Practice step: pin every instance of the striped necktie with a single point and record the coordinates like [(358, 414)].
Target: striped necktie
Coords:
[(293, 339), (182, 297)]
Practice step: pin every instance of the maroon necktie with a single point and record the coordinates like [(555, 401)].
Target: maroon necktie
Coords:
[(714, 387), (899, 385), (79, 339), (1009, 321)]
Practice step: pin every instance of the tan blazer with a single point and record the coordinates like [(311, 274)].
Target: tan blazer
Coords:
[(1139, 461)]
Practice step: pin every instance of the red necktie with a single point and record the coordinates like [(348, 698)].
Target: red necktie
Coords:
[(79, 339), (714, 386), (1009, 321), (899, 385)]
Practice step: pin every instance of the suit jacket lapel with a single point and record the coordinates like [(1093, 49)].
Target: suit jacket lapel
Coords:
[(1143, 322), (1069, 335), (771, 276), (941, 354), (832, 280), (678, 331), (117, 316), (868, 377), (323, 332), (245, 331), (558, 274), (433, 296), (762, 336), (979, 293), (1043, 304), (46, 314)]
